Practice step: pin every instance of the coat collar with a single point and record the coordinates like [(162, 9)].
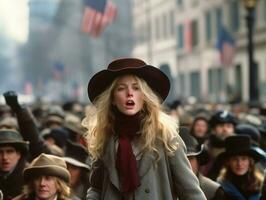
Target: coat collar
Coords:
[(109, 160)]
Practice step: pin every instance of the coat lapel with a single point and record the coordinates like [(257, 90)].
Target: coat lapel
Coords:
[(109, 162), (145, 163)]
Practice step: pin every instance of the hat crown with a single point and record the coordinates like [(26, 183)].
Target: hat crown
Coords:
[(10, 136), (237, 144), (249, 130), (120, 64), (222, 116), (47, 160), (192, 145), (76, 151)]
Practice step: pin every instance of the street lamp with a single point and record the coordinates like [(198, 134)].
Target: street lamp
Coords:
[(253, 69)]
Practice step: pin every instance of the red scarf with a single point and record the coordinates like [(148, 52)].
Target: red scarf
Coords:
[(127, 127)]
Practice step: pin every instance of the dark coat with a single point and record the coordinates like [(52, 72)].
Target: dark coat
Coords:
[(30, 132), (234, 194), (11, 184)]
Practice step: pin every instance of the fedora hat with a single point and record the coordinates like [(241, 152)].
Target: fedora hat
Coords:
[(13, 138), (193, 147), (76, 155), (154, 77), (49, 165), (240, 145)]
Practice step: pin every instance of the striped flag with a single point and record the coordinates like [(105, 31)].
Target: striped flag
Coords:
[(226, 46), (97, 15), (188, 35)]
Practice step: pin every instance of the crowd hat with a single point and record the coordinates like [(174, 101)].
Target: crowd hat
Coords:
[(76, 155), (154, 77), (250, 130), (13, 138), (73, 123), (193, 147), (49, 165), (240, 145), (221, 117), (55, 114)]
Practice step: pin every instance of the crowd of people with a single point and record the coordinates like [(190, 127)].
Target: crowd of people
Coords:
[(128, 145)]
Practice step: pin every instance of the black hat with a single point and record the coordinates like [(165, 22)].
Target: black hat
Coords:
[(221, 117), (13, 138), (252, 131), (240, 145), (154, 77), (76, 155), (193, 147), (59, 135)]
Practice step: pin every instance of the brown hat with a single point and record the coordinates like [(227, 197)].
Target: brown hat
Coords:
[(154, 77), (49, 165)]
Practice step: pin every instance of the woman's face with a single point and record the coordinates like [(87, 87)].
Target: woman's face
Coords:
[(200, 128), (239, 165), (127, 96), (45, 187)]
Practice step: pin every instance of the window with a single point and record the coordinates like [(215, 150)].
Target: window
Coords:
[(180, 36), (208, 28), (172, 23), (179, 2), (195, 84), (219, 18), (234, 15), (195, 33), (157, 28), (165, 26)]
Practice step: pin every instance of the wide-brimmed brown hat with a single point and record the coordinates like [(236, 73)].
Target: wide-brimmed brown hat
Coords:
[(154, 77), (13, 138), (49, 165)]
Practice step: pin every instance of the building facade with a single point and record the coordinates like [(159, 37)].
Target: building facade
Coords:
[(192, 53)]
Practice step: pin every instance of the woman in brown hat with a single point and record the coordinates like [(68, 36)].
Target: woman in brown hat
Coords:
[(136, 147), (46, 178), (239, 177)]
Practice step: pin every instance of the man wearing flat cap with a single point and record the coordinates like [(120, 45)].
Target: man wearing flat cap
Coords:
[(13, 151), (46, 178)]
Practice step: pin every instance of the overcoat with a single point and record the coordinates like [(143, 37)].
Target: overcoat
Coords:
[(164, 179)]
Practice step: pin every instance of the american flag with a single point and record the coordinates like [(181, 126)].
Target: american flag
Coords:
[(97, 15), (188, 35), (226, 46)]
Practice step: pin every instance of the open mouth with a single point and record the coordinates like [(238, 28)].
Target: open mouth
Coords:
[(130, 103)]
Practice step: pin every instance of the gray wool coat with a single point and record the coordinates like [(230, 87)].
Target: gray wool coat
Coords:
[(169, 178)]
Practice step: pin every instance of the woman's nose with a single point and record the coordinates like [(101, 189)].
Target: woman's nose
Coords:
[(129, 93)]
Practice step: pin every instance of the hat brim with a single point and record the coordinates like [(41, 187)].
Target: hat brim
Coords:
[(253, 153), (196, 153), (51, 170), (76, 163), (155, 78), (21, 146)]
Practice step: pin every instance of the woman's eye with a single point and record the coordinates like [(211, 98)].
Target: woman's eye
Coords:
[(120, 88)]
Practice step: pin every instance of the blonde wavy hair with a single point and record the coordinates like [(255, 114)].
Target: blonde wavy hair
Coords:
[(156, 124), (63, 190)]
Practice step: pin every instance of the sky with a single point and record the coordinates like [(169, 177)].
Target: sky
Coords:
[(14, 19)]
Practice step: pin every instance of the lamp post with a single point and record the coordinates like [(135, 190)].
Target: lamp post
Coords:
[(253, 69)]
